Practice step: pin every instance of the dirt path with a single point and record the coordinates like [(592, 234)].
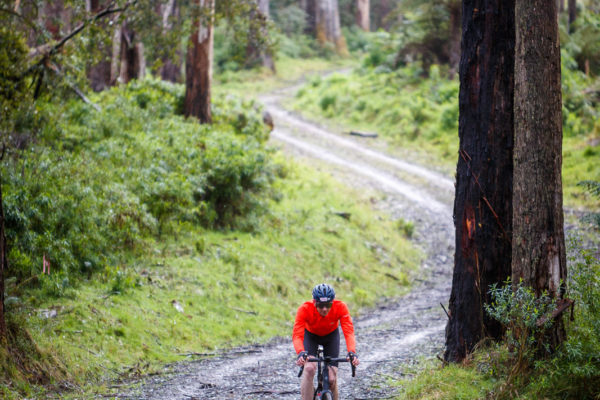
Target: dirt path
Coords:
[(389, 338)]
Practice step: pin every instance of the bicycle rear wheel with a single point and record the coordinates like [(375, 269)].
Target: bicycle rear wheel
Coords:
[(327, 396)]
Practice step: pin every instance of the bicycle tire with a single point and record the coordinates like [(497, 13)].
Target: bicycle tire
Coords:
[(327, 396)]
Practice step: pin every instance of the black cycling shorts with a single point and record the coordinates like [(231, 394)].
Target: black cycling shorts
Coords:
[(330, 343)]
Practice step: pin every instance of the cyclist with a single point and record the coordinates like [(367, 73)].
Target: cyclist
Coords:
[(316, 324)]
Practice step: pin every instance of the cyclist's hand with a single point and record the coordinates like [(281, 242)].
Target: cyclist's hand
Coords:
[(353, 358), (302, 356)]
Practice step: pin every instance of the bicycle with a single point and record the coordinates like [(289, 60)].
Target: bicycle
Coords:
[(322, 391)]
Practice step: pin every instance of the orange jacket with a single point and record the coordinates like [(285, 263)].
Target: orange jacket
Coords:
[(309, 318)]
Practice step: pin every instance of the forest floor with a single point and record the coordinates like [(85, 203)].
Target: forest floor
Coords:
[(392, 337)]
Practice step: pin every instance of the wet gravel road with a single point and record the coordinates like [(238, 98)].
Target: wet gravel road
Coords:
[(389, 338)]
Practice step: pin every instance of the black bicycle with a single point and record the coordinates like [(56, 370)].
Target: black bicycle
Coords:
[(322, 391)]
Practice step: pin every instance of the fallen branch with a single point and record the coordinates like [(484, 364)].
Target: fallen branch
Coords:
[(561, 306), (363, 134)]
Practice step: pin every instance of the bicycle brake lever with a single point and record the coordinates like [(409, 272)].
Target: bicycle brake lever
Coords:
[(353, 371), (300, 372)]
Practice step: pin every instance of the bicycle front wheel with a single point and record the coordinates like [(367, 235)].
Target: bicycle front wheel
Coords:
[(327, 396)]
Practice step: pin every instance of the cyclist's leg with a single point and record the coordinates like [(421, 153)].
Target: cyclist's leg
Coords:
[(307, 388), (333, 382)]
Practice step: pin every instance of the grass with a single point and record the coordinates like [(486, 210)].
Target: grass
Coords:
[(233, 288), (417, 119)]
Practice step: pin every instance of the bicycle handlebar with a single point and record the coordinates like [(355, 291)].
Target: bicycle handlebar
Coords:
[(328, 360)]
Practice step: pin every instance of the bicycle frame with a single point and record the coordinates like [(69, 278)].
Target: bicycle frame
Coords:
[(323, 363)]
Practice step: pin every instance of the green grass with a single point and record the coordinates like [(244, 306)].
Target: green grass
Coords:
[(417, 118)]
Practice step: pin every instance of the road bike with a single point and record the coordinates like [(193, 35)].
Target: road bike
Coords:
[(322, 391)]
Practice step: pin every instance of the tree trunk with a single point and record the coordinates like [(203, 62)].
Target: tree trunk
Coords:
[(455, 31), (538, 237), (310, 9), (99, 74), (258, 33), (362, 15), (572, 13), (170, 70), (327, 23), (483, 204), (198, 68), (132, 60), (3, 270)]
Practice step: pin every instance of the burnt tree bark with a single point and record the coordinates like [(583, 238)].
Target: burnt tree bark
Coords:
[(362, 15), (198, 68), (538, 249), (483, 204)]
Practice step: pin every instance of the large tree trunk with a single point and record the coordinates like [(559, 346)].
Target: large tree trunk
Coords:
[(327, 25), (538, 237), (483, 204), (198, 68), (362, 15)]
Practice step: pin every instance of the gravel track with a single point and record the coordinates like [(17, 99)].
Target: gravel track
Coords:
[(389, 338)]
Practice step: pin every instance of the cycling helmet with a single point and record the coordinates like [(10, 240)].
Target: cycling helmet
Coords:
[(323, 293)]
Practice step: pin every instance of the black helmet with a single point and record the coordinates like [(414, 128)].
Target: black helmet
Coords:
[(323, 293)]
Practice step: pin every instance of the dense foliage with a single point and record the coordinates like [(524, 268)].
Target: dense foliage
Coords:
[(101, 181)]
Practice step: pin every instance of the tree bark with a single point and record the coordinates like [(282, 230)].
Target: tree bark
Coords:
[(198, 69), (538, 249), (362, 15), (483, 203), (327, 24)]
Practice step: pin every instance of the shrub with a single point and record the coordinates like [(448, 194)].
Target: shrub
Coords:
[(99, 183)]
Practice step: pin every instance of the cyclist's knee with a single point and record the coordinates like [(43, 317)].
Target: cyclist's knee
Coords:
[(310, 369)]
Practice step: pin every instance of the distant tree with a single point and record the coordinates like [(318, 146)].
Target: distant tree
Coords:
[(198, 68), (572, 12), (483, 202), (362, 14), (538, 244), (431, 32), (257, 48), (170, 69), (128, 60), (327, 25)]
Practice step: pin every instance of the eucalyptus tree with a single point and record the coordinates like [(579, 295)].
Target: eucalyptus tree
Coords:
[(483, 201), (363, 14), (538, 243)]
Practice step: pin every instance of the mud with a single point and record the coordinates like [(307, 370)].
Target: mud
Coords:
[(391, 337)]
